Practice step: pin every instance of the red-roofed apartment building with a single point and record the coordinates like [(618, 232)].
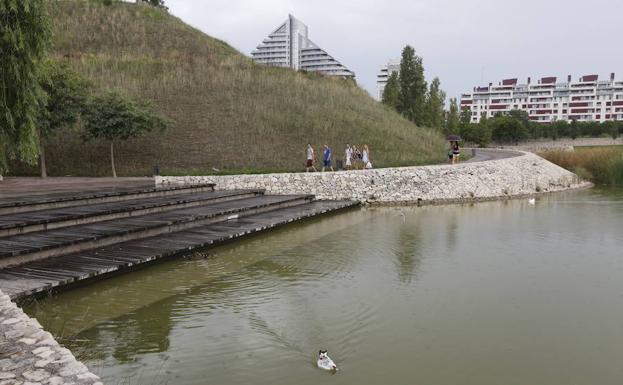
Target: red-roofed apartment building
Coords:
[(587, 100)]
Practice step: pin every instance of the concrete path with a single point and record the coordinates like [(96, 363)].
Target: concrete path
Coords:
[(484, 154)]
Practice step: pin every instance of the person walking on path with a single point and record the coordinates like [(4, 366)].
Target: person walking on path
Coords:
[(450, 154), (365, 157), (456, 152), (326, 158), (348, 155), (311, 156), (356, 157)]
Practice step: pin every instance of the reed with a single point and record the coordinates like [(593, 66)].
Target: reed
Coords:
[(601, 165), (229, 113)]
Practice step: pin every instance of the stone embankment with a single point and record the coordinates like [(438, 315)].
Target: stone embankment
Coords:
[(519, 174), (30, 355)]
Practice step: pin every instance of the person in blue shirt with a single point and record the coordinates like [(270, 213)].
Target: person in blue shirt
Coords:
[(326, 158)]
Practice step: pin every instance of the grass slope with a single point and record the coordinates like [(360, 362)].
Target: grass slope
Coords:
[(229, 113)]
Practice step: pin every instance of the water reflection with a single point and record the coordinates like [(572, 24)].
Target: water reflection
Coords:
[(408, 251)]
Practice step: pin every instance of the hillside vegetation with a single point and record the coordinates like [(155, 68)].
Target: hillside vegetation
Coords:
[(228, 112)]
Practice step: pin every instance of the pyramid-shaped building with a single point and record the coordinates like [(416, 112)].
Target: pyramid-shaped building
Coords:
[(289, 46)]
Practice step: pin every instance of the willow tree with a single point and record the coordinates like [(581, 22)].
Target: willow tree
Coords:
[(114, 117), (24, 39)]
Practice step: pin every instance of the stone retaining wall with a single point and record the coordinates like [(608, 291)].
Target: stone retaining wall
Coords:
[(526, 174), (30, 355), (560, 144)]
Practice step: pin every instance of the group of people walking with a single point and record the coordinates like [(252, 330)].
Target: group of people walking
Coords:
[(354, 158)]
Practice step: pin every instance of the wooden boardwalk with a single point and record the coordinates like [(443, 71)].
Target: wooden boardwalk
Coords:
[(51, 241), (20, 223), (39, 277)]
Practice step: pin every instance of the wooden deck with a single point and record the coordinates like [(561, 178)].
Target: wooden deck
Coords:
[(20, 223), (55, 240), (40, 277), (38, 200)]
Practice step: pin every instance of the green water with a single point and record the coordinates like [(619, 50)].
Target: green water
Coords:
[(493, 293)]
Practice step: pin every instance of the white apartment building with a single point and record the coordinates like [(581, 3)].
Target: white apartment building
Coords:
[(586, 100), (289, 46), (384, 73)]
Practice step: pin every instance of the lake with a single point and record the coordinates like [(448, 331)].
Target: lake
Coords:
[(489, 293)]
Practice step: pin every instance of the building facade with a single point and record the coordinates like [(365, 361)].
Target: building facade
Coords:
[(586, 100), (289, 46), (384, 74)]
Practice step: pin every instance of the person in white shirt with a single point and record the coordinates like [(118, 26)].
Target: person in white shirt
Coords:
[(366, 157), (348, 154)]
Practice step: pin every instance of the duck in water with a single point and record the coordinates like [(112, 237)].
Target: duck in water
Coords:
[(324, 362)]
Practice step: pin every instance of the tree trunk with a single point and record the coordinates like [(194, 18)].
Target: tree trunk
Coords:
[(44, 171), (112, 160)]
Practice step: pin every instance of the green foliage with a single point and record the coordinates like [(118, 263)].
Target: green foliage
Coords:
[(484, 132), (434, 108), (452, 122), (391, 92), (113, 116), (412, 86), (66, 98), (24, 39), (574, 129), (509, 129), (155, 3)]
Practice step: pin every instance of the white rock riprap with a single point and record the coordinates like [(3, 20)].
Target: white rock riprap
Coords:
[(30, 355), (525, 174)]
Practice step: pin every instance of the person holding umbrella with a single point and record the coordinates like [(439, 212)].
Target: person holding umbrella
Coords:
[(455, 151)]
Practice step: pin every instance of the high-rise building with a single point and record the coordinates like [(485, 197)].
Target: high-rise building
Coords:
[(586, 100), (384, 74), (290, 46)]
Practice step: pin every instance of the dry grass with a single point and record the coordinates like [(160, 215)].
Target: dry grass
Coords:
[(229, 113), (602, 165)]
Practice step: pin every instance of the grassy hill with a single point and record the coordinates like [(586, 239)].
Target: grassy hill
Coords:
[(229, 113)]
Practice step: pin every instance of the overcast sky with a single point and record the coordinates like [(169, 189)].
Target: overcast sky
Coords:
[(464, 42)]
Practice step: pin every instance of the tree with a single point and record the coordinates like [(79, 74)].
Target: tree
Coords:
[(612, 128), (155, 3), (434, 107), (66, 98), (115, 117), (412, 86), (24, 39), (508, 129), (484, 132), (558, 129), (391, 92), (452, 119), (574, 129)]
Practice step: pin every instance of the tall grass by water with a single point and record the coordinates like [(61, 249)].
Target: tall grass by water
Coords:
[(601, 165), (229, 113)]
